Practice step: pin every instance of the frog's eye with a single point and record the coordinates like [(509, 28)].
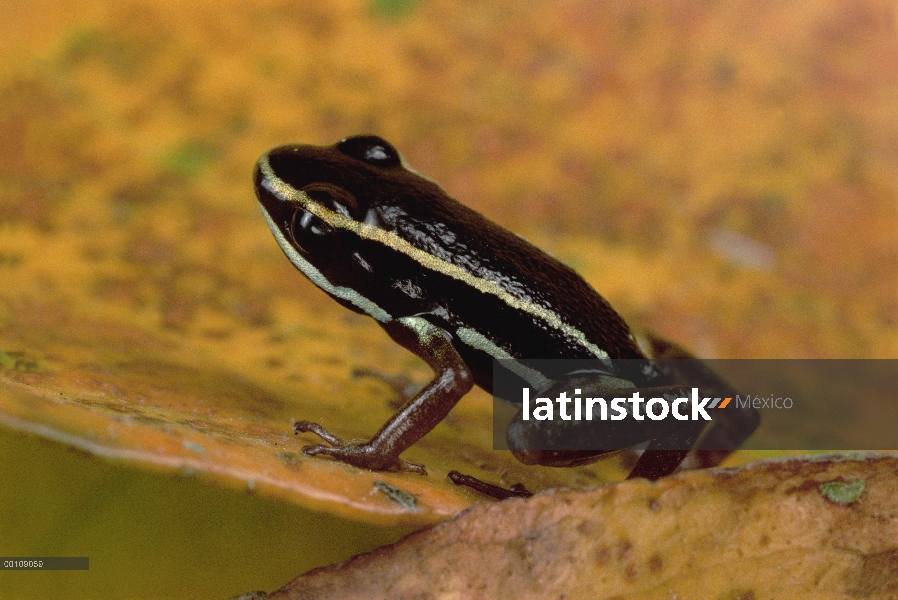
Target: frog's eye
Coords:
[(304, 223), (331, 197), (313, 231), (371, 149)]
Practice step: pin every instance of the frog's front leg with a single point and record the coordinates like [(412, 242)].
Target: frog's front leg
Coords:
[(420, 414)]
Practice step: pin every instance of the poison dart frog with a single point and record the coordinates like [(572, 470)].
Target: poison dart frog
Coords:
[(459, 291)]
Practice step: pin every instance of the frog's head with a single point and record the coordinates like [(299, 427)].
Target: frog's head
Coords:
[(342, 212), (310, 192), (315, 198)]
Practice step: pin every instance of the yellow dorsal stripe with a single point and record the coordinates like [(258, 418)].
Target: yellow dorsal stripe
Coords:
[(369, 232)]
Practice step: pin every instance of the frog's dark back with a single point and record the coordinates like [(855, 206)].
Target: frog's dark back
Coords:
[(535, 287)]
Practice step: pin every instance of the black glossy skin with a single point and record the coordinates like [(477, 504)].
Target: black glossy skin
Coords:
[(363, 178), (419, 211)]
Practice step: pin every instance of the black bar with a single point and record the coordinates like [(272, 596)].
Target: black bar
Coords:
[(44, 563), (803, 404)]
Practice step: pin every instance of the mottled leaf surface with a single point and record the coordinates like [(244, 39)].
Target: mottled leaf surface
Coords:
[(731, 189), (761, 531)]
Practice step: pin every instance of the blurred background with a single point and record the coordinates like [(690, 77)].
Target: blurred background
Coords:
[(723, 172)]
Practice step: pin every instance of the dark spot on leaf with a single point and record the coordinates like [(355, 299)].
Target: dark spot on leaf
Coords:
[(876, 576), (290, 458), (623, 549)]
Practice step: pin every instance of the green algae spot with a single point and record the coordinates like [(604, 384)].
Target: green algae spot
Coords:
[(191, 158), (842, 492), (392, 9), (19, 361), (400, 497), (194, 447)]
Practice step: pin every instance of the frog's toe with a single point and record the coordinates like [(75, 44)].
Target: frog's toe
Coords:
[(316, 450), (363, 457), (324, 434), (408, 467)]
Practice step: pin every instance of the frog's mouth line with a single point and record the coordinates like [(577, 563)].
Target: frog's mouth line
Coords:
[(317, 277)]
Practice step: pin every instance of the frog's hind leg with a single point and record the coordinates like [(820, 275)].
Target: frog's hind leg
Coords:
[(730, 428), (658, 460)]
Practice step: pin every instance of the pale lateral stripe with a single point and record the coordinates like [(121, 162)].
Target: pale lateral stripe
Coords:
[(390, 239), (476, 340), (316, 277)]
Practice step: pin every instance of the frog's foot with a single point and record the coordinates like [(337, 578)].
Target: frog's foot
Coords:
[(365, 456), (488, 489)]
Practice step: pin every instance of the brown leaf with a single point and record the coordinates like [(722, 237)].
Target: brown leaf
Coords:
[(824, 528), (146, 314), (169, 366)]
